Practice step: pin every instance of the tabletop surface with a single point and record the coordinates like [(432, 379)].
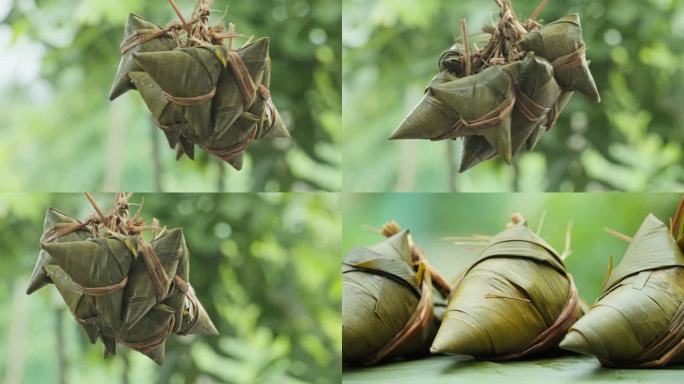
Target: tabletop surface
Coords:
[(457, 369)]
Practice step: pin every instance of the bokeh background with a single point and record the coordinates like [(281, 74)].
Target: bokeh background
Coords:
[(433, 217), (265, 266), (58, 61), (631, 141)]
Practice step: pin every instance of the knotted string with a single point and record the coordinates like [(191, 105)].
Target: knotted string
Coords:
[(494, 117), (570, 61), (530, 109)]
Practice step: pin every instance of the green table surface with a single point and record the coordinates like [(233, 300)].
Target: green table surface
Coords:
[(456, 370)]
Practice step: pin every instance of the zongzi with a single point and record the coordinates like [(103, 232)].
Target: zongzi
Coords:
[(470, 98), (120, 287), (198, 90), (638, 321), (515, 300), (387, 300)]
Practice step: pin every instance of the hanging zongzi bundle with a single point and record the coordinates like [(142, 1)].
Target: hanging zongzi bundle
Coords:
[(198, 90), (505, 96), (120, 287), (515, 300), (387, 300), (638, 322)]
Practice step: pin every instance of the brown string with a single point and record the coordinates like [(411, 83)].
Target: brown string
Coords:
[(570, 61), (245, 82), (416, 324), (552, 335), (492, 118), (234, 150), (152, 343), (174, 28), (160, 280), (143, 36), (392, 228), (88, 321), (553, 115), (64, 230), (529, 109), (189, 292), (190, 101), (102, 291), (271, 110), (264, 92)]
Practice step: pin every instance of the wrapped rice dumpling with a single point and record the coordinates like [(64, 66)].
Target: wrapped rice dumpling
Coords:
[(198, 90), (475, 105), (537, 92), (387, 301), (54, 221), (120, 287), (470, 98), (561, 43), (638, 322), (515, 300), (140, 35)]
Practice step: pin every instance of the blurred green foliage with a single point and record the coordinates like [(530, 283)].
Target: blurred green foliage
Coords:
[(433, 217), (266, 267), (631, 141), (60, 58)]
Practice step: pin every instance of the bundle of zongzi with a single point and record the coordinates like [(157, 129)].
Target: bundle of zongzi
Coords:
[(638, 322), (120, 287), (515, 300), (504, 97), (387, 300), (198, 90)]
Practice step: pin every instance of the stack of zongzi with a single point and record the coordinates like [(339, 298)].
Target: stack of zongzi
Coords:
[(504, 97), (120, 287), (638, 322), (515, 300), (387, 300), (198, 90)]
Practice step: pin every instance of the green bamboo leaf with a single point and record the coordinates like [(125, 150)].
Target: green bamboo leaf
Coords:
[(380, 294), (637, 322), (557, 41), (515, 300), (53, 220), (135, 26)]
